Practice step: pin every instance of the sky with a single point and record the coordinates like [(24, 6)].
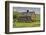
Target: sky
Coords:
[(24, 9)]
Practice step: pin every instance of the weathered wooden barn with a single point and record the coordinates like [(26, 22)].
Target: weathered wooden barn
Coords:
[(26, 16)]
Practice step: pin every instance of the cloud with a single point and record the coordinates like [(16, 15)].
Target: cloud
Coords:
[(24, 9)]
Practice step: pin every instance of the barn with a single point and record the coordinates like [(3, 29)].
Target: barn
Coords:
[(26, 16)]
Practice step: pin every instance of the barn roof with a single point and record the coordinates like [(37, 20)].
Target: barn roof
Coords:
[(25, 13)]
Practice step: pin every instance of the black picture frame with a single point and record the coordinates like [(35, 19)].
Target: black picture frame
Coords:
[(7, 16)]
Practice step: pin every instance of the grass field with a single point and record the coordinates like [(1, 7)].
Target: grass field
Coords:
[(31, 24)]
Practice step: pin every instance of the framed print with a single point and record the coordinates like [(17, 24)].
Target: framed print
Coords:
[(24, 17)]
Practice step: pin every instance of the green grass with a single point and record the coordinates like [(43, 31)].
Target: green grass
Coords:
[(23, 24)]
